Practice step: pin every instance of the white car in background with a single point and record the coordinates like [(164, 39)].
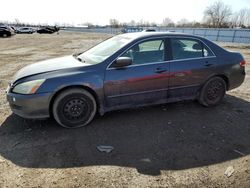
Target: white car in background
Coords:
[(25, 30)]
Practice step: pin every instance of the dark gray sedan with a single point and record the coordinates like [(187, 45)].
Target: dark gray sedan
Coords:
[(125, 71)]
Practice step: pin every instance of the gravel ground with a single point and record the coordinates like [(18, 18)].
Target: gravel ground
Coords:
[(175, 145)]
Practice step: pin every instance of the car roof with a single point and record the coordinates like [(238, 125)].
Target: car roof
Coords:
[(4, 26), (138, 35)]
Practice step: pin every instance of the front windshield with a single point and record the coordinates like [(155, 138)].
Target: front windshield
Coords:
[(102, 51)]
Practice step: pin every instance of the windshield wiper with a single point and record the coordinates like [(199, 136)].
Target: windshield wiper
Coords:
[(78, 58), (77, 54)]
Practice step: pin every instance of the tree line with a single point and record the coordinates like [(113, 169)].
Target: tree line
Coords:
[(216, 15)]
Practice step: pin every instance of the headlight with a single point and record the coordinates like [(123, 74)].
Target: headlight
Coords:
[(29, 87)]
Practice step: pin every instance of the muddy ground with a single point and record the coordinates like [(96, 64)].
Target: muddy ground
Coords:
[(175, 145)]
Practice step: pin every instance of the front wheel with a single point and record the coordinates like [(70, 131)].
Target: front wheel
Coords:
[(74, 108), (212, 92)]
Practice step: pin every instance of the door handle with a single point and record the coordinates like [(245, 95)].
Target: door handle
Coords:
[(160, 70), (208, 64)]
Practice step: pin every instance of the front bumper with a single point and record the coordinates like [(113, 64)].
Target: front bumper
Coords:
[(35, 106)]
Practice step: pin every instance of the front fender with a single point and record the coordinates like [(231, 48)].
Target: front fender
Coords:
[(89, 81)]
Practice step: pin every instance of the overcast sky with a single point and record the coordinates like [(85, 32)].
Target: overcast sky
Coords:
[(100, 11)]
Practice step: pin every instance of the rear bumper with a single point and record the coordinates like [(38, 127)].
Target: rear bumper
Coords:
[(236, 79), (35, 106)]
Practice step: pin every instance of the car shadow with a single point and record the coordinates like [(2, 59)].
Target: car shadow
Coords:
[(168, 137)]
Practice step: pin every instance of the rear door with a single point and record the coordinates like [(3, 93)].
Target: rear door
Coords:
[(143, 82), (192, 63)]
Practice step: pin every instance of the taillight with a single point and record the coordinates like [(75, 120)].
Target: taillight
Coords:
[(243, 63)]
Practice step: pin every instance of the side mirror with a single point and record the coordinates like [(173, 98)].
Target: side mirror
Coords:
[(122, 62)]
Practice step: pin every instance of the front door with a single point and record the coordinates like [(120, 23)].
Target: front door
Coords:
[(143, 82)]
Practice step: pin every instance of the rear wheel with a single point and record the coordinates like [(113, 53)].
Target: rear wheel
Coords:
[(74, 108), (212, 92)]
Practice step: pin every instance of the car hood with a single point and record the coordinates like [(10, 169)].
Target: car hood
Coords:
[(48, 66)]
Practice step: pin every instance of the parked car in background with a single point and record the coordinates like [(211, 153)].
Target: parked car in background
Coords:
[(25, 30), (48, 30), (13, 28), (149, 30), (6, 31), (125, 71), (131, 29)]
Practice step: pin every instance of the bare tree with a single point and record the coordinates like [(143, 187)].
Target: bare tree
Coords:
[(114, 23), (241, 18), (248, 18), (217, 14), (167, 22), (234, 20), (132, 23), (88, 24), (183, 23), (17, 21), (142, 23)]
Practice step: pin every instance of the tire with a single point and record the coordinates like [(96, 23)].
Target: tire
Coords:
[(74, 108), (212, 92), (5, 35)]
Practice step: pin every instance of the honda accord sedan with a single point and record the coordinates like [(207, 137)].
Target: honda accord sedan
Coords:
[(125, 71)]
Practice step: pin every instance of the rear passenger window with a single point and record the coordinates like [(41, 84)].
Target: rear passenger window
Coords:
[(188, 48)]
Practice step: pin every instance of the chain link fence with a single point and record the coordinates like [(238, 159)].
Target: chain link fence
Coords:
[(221, 35)]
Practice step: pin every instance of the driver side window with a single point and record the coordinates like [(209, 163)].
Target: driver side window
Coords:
[(146, 52)]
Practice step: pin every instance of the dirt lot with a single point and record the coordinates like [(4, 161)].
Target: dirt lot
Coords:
[(174, 145)]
